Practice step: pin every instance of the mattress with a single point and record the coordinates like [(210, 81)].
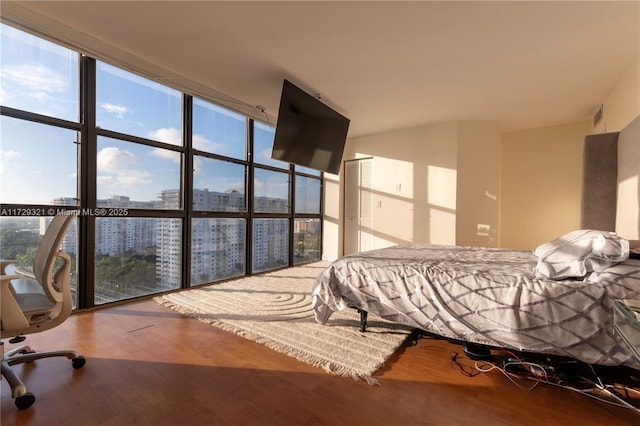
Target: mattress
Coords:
[(484, 295)]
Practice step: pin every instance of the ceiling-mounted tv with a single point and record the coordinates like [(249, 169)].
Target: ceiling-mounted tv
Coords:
[(308, 132)]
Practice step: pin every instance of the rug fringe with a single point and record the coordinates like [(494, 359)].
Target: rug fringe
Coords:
[(328, 366)]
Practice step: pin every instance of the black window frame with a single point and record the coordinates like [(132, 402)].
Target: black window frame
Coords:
[(87, 183)]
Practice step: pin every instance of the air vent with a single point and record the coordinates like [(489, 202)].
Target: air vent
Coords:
[(597, 116)]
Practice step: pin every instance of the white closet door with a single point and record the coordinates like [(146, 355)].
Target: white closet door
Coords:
[(358, 206)]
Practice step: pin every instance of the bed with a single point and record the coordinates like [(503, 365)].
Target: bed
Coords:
[(558, 299)]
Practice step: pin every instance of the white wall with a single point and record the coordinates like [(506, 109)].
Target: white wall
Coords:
[(421, 177), (331, 223), (437, 183), (542, 169), (620, 107), (414, 183), (541, 184), (478, 208), (622, 103)]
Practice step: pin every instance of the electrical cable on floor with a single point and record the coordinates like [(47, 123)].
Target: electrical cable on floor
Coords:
[(537, 373), (618, 401), (454, 360), (609, 390), (506, 374)]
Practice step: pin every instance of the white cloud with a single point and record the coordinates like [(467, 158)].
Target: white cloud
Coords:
[(166, 154), (37, 83), (118, 110), (117, 166), (125, 180), (8, 159), (35, 78), (105, 180), (167, 135), (114, 160), (9, 155), (201, 143)]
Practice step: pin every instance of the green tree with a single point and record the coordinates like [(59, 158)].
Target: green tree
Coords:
[(126, 273), (14, 243), (24, 261)]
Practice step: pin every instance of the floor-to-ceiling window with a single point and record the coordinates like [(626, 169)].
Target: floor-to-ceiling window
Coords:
[(219, 202), (138, 180), (307, 231), (173, 191), (39, 143)]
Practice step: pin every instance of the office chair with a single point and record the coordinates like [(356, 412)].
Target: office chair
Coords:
[(39, 309)]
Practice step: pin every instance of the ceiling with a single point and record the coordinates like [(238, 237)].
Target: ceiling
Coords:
[(385, 65)]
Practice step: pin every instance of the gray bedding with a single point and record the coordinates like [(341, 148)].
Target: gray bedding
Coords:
[(487, 296)]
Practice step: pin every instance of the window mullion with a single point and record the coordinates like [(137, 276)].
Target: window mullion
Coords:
[(87, 178), (187, 188)]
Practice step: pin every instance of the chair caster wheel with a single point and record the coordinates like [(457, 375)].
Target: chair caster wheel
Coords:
[(25, 401), (78, 362)]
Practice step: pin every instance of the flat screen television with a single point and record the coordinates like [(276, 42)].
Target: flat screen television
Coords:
[(308, 132)]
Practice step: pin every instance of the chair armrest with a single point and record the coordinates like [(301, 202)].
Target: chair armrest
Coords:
[(11, 316), (6, 281), (9, 278)]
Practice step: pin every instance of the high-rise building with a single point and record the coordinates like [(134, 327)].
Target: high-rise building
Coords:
[(217, 244), (122, 234)]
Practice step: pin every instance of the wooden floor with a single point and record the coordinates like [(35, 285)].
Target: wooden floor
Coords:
[(147, 365)]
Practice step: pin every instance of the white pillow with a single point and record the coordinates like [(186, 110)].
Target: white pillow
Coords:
[(578, 253), (626, 273)]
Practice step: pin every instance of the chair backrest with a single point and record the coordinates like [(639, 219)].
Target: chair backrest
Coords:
[(51, 241), (40, 316)]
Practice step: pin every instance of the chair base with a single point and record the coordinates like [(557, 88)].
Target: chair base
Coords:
[(24, 354)]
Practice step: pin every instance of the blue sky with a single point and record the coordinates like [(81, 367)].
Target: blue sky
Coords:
[(38, 164)]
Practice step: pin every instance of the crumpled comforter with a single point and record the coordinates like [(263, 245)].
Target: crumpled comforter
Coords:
[(482, 295)]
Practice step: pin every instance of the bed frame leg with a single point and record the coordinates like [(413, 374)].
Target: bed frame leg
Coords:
[(363, 320)]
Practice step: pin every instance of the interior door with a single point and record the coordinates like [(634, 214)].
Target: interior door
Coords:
[(358, 210)]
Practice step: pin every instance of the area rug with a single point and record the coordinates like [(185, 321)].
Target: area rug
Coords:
[(274, 309)]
